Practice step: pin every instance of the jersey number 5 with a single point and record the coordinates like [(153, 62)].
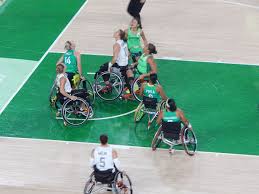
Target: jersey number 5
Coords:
[(102, 162)]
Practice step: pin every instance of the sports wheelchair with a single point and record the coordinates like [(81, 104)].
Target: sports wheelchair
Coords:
[(175, 133), (118, 182), (116, 84), (74, 112), (149, 106)]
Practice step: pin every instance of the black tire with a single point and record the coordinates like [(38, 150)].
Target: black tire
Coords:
[(72, 113), (122, 184), (189, 141), (90, 184), (156, 140), (139, 114), (115, 89)]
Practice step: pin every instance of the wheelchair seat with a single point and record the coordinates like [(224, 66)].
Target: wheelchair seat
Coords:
[(171, 130), (104, 177), (150, 103)]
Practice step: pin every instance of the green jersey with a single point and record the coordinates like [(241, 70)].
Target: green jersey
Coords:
[(170, 117), (70, 61), (143, 66), (151, 91), (134, 41)]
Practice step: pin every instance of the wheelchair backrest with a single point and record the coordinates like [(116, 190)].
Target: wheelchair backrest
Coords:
[(171, 129), (150, 103)]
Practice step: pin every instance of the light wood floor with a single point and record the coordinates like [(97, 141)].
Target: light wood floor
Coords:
[(204, 30), (54, 167)]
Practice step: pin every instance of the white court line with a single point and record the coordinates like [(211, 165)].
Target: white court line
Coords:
[(240, 4), (106, 118), (42, 58), (125, 147), (172, 58)]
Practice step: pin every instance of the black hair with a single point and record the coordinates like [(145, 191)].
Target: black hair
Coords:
[(68, 45), (138, 21), (171, 105), (153, 78), (103, 139), (123, 35), (152, 49)]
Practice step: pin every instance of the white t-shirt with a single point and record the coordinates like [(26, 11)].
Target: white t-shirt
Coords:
[(123, 58), (103, 158), (68, 87)]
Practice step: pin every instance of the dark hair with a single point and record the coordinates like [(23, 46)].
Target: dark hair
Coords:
[(103, 139), (152, 49), (123, 35), (138, 21), (68, 45), (171, 104), (153, 78)]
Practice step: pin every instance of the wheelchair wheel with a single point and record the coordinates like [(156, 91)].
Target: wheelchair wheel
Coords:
[(157, 139), (122, 184), (111, 91), (85, 84), (139, 113), (75, 112), (189, 141), (53, 95), (162, 106), (90, 184), (135, 88)]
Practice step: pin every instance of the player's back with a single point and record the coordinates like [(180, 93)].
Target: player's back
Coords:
[(103, 158)]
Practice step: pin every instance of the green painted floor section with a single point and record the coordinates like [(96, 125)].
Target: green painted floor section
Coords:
[(28, 27), (220, 100), (12, 75)]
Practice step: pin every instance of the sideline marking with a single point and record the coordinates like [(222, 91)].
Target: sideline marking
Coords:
[(171, 58), (43, 57), (240, 4), (127, 147)]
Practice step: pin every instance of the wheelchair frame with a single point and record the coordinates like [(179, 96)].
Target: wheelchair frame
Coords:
[(183, 140), (92, 183), (142, 110), (83, 84)]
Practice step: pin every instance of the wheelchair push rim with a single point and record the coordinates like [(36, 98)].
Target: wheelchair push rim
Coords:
[(90, 184), (53, 95), (135, 88), (139, 114), (122, 184), (156, 140), (189, 141), (111, 91), (75, 112)]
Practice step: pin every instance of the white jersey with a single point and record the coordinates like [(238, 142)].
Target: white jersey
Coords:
[(103, 158), (123, 56), (68, 87)]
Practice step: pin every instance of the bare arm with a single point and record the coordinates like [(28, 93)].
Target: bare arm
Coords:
[(159, 118), (61, 60), (182, 117), (162, 93), (79, 65), (143, 38), (115, 159), (116, 51)]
